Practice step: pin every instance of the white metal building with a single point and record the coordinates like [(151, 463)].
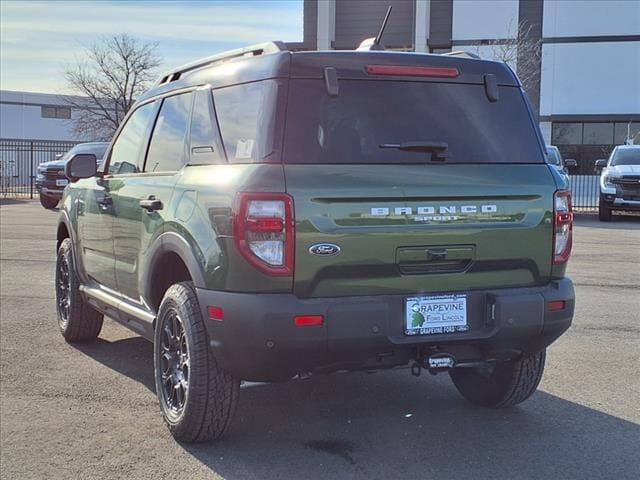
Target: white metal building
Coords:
[(35, 116)]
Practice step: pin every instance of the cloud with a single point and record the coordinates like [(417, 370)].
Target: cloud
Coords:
[(50, 35)]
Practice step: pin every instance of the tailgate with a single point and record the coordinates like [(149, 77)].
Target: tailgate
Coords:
[(420, 228)]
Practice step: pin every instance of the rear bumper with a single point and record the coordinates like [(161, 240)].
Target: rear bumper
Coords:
[(257, 340)]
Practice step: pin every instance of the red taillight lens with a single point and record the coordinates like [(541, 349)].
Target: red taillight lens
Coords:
[(556, 305), (215, 313), (265, 225), (408, 71), (308, 320), (263, 231), (562, 227)]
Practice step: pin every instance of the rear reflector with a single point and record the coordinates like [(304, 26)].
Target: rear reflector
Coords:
[(269, 225), (308, 320), (215, 313), (556, 305), (407, 71)]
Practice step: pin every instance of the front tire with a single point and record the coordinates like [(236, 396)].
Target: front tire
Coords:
[(604, 212), (77, 320), (48, 202), (197, 398), (502, 386)]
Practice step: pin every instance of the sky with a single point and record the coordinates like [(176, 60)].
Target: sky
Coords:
[(38, 40)]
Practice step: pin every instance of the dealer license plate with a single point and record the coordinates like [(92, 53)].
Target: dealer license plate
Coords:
[(62, 183), (435, 314)]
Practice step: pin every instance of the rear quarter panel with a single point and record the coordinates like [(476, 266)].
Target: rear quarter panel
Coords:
[(201, 213)]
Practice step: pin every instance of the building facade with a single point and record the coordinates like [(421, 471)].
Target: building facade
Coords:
[(35, 116), (578, 59)]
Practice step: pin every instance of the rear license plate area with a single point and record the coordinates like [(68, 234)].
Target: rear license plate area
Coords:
[(436, 314)]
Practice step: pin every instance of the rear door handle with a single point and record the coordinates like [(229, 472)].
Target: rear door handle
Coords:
[(151, 204)]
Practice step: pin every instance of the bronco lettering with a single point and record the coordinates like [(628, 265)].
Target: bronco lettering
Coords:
[(428, 210)]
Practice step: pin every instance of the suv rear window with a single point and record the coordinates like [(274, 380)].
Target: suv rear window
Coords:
[(351, 127)]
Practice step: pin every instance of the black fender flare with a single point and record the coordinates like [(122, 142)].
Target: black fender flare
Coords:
[(171, 242)]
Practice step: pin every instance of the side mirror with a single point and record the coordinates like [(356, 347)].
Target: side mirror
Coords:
[(81, 165), (570, 163), (600, 164)]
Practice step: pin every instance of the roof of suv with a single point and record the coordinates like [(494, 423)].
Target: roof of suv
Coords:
[(245, 66)]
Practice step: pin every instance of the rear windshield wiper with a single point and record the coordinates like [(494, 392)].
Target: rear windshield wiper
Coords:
[(438, 149)]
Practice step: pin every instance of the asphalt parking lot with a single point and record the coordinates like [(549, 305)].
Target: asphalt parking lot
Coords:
[(89, 411)]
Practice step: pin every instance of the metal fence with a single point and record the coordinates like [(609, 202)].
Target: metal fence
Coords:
[(585, 192), (19, 160)]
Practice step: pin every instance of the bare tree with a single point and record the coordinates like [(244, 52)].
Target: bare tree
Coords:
[(521, 51), (115, 72)]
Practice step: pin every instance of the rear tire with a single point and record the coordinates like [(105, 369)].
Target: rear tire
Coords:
[(197, 398), (77, 320), (604, 213), (48, 202), (506, 385)]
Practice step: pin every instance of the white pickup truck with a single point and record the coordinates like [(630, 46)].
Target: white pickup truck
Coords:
[(619, 181)]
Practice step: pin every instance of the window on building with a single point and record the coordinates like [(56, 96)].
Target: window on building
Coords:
[(566, 134), (126, 153), (167, 147), (598, 134), (63, 113)]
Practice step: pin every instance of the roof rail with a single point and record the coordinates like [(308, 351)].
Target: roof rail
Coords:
[(250, 51), (462, 54)]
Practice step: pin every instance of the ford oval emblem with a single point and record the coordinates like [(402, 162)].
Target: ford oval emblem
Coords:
[(324, 249)]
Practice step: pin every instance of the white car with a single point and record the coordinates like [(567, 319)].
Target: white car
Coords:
[(619, 181)]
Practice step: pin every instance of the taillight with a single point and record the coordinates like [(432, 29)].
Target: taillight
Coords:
[(411, 71), (562, 227), (556, 305), (308, 320), (263, 231)]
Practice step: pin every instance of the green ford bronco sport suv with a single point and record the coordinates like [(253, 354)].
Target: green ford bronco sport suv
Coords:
[(264, 214)]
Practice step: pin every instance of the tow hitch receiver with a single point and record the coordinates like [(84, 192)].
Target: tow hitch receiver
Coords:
[(439, 362)]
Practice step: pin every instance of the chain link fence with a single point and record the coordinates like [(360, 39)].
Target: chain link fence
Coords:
[(19, 160)]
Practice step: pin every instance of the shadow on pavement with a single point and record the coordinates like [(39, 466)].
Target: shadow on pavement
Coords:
[(358, 425), (14, 201), (392, 425), (131, 357)]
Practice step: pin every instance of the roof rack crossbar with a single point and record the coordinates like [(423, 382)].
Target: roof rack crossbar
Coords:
[(252, 50)]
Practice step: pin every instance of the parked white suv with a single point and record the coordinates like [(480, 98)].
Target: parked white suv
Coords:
[(619, 181)]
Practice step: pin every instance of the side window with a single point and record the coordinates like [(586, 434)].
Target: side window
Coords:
[(247, 120), (167, 147), (205, 144), (126, 152)]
